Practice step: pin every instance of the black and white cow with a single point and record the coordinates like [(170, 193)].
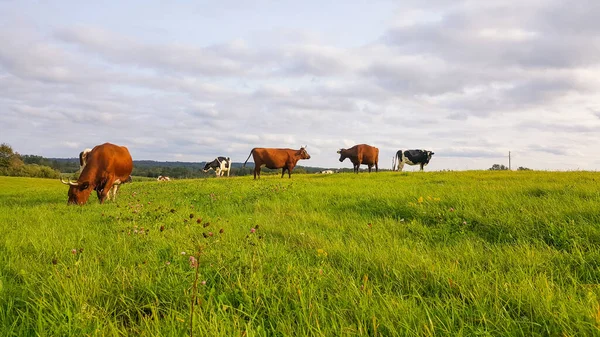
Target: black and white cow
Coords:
[(220, 165), (83, 159), (411, 157)]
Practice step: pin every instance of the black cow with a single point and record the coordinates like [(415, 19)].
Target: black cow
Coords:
[(220, 165), (412, 157)]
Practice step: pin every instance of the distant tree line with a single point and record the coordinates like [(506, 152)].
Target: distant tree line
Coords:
[(500, 167), (13, 164)]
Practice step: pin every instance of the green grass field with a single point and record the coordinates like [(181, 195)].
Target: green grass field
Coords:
[(390, 254)]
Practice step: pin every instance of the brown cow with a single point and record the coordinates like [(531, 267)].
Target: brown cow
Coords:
[(284, 159), (361, 154), (107, 166)]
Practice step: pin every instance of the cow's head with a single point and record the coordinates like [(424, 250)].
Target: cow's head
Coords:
[(207, 167), (342, 155), (429, 154), (79, 192), (303, 154)]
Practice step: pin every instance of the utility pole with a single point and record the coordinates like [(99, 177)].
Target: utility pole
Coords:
[(509, 168)]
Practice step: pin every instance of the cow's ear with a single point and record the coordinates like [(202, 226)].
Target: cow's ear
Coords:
[(84, 185)]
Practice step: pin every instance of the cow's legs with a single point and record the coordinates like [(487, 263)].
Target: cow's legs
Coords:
[(104, 192), (376, 168), (370, 167), (421, 166), (114, 190), (283, 171), (400, 166)]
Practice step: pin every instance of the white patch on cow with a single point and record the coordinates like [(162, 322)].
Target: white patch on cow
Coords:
[(83, 159)]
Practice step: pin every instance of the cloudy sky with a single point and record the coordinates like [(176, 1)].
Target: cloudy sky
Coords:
[(189, 80)]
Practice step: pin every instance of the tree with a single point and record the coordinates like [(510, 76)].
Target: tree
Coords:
[(498, 167), (8, 158), (11, 164), (521, 168)]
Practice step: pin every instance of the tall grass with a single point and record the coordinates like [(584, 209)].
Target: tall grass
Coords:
[(448, 253)]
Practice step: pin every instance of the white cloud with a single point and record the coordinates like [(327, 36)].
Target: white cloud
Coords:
[(468, 80)]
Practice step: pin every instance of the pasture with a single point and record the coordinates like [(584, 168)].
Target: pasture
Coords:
[(390, 254)]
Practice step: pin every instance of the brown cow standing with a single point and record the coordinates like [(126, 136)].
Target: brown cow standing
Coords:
[(361, 154), (106, 167), (284, 159)]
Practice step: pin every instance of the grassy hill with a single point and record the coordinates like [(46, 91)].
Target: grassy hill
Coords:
[(436, 253)]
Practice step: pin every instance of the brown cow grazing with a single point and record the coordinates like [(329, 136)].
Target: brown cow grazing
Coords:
[(361, 154), (284, 159), (106, 167)]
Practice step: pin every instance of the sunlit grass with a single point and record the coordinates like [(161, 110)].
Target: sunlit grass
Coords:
[(460, 253)]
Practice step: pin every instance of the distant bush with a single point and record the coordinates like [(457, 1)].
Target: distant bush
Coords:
[(521, 168), (498, 167), (11, 164)]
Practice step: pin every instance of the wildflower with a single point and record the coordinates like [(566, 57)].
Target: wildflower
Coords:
[(182, 253), (168, 263), (252, 230), (193, 262), (199, 220), (321, 252), (162, 228), (464, 222), (203, 282), (370, 225), (192, 216), (54, 261), (451, 209), (320, 271), (206, 224), (420, 200), (221, 231), (73, 251), (210, 233)]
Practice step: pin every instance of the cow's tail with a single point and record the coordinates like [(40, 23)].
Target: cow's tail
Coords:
[(248, 158), (397, 160)]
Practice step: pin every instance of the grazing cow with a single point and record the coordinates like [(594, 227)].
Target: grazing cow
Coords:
[(361, 154), (163, 178), (220, 165), (106, 167), (284, 159), (83, 159), (411, 157)]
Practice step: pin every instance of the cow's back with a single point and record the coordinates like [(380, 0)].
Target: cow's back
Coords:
[(370, 154), (271, 158), (111, 159)]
